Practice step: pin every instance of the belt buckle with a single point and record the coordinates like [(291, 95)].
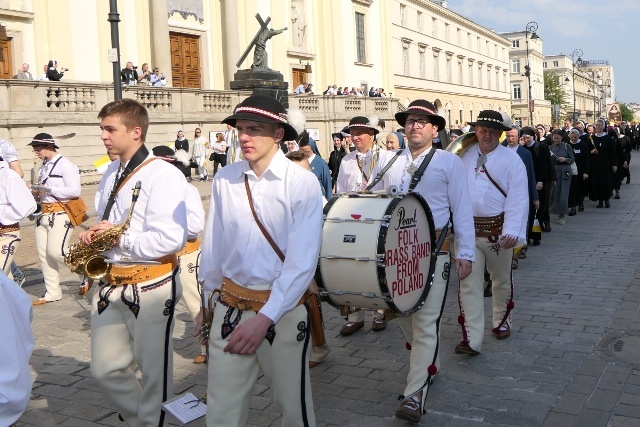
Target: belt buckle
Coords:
[(244, 305)]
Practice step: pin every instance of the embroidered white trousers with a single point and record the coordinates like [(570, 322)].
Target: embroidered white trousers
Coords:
[(53, 232)]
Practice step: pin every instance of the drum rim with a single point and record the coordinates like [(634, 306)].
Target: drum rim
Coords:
[(382, 238)]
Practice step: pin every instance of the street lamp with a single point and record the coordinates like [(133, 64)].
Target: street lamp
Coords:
[(607, 87), (578, 53), (531, 27)]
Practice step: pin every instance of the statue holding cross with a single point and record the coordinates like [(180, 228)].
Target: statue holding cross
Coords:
[(260, 43)]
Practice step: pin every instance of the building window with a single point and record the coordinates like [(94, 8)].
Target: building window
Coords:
[(469, 40), (544, 64), (517, 91), (498, 80), (421, 65), (360, 39), (403, 22), (515, 66), (434, 30), (515, 43), (555, 63), (419, 22), (486, 48), (478, 44), (480, 76), (471, 75), (446, 32), (405, 60), (459, 37), (449, 77), (460, 73), (489, 78), (436, 68)]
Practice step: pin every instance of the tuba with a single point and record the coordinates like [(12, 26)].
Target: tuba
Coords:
[(86, 259), (462, 143)]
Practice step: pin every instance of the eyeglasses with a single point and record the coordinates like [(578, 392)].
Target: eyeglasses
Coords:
[(417, 123), (197, 131)]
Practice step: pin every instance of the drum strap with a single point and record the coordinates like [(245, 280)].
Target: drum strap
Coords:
[(380, 175), (417, 175)]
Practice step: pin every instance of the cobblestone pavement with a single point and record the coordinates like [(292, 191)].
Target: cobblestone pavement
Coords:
[(569, 361)]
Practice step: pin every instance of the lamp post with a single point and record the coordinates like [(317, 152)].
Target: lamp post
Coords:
[(531, 27), (578, 53), (607, 86), (114, 18)]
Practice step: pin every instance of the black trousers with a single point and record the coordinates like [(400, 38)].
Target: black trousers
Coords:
[(219, 159), (544, 196)]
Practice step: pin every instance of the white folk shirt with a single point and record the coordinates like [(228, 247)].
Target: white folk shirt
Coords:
[(63, 179), (486, 200), (7, 151), (16, 201), (195, 212), (350, 178), (199, 148), (288, 202), (445, 189), (159, 223), (17, 345)]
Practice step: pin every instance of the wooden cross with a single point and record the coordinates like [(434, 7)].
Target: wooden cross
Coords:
[(263, 27)]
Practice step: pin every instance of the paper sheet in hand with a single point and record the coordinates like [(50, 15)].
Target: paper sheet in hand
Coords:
[(185, 408)]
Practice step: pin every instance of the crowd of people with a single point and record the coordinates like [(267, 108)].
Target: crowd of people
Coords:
[(305, 88), (262, 240)]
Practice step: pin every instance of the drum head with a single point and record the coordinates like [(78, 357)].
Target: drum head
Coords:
[(409, 264)]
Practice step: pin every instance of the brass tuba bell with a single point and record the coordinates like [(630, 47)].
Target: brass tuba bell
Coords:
[(462, 143)]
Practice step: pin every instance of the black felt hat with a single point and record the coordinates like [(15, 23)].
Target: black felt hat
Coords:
[(491, 119), (43, 140), (263, 109), (527, 130), (424, 108), (337, 135), (456, 132), (363, 122)]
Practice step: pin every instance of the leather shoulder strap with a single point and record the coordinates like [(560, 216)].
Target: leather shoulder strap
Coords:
[(112, 198), (493, 181), (264, 231)]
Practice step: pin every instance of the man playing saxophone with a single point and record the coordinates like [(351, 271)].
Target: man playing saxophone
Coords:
[(60, 183), (132, 311)]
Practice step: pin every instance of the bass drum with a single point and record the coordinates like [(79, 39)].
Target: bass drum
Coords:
[(377, 251)]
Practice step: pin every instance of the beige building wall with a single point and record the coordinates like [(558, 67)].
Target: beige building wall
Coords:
[(447, 59), (519, 84)]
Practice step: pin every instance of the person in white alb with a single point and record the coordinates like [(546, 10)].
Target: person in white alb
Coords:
[(17, 345), (200, 153), (234, 153), (132, 311), (500, 200), (443, 185), (189, 256), (356, 170), (16, 202), (261, 321), (59, 181)]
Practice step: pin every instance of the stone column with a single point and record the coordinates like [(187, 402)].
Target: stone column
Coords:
[(160, 47), (231, 51)]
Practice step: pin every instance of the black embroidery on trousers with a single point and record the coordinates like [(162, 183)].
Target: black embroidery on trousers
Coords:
[(229, 325), (495, 247), (52, 220), (103, 294), (445, 271), (271, 334), (302, 327), (134, 305), (168, 304)]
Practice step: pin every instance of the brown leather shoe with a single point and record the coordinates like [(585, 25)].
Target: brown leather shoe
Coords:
[(350, 328), (40, 301), (85, 287), (409, 410), (463, 348), (379, 324), (502, 334), (202, 358), (313, 364)]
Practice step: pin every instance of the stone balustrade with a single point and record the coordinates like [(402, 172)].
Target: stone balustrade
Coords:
[(28, 107)]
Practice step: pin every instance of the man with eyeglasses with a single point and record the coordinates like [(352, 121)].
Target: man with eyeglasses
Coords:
[(499, 192), (444, 187), (158, 78)]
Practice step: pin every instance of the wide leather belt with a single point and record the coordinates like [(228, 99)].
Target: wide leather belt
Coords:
[(488, 226), (446, 245), (51, 208), (191, 246), (121, 275), (9, 228), (243, 298)]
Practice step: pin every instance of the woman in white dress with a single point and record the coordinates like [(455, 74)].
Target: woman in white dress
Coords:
[(200, 144)]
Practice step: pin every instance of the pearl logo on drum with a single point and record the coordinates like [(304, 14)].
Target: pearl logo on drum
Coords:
[(404, 222)]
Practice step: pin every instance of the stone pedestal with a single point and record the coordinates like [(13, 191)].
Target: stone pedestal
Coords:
[(262, 82)]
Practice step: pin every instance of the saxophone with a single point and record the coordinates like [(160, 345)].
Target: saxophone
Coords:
[(86, 259)]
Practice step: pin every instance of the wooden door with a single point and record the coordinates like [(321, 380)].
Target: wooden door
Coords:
[(298, 77), (185, 60), (6, 66)]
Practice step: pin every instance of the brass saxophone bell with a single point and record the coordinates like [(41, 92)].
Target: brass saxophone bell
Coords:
[(96, 267)]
